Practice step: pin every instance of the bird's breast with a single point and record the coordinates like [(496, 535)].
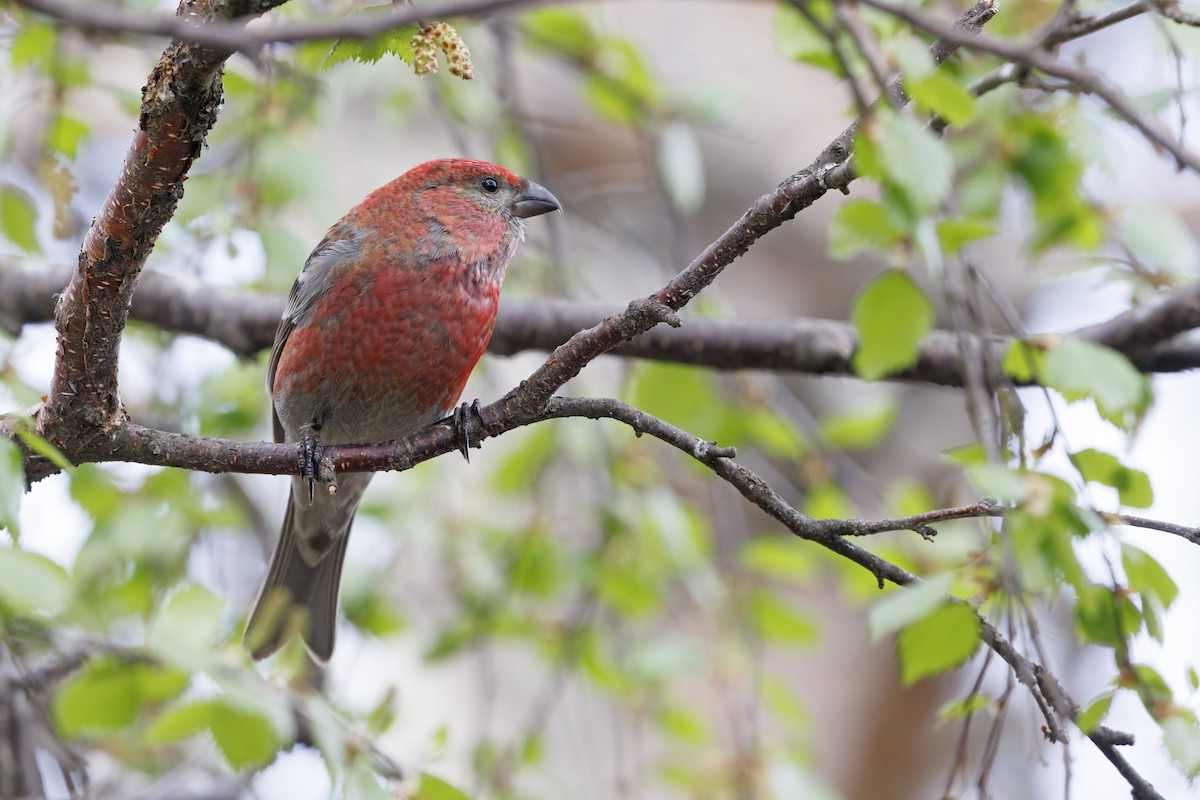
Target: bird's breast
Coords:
[(387, 350)]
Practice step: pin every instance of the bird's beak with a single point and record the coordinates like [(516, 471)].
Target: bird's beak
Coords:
[(535, 200)]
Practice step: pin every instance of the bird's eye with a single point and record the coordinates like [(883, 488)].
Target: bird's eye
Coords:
[(490, 185)]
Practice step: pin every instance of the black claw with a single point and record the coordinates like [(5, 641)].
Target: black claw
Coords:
[(312, 452), (462, 426)]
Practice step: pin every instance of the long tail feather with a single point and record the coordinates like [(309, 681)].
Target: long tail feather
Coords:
[(297, 598)]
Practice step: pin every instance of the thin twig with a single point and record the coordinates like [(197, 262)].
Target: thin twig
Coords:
[(1084, 80), (236, 38)]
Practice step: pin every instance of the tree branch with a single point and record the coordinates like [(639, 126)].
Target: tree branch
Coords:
[(179, 105), (83, 407), (245, 323), (829, 534), (1084, 80), (236, 38)]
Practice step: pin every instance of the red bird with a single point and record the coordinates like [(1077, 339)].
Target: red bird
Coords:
[(381, 330)]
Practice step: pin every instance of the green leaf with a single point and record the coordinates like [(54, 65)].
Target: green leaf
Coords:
[(777, 621), (397, 42), (776, 556), (1079, 369), (383, 715), (1094, 713), (102, 696), (1048, 164), (108, 694), (30, 438), (938, 643), (30, 582), (1147, 576), (628, 593), (1161, 242), (369, 610), (1004, 484), (33, 43), (905, 606), (1152, 613), (363, 784), (12, 487), (1023, 362), (1132, 485), (862, 225), (18, 218), (954, 233), (244, 738), (1153, 691), (682, 725), (680, 394), (520, 468), (1182, 738), (965, 707), (938, 93), (773, 433), (536, 567), (65, 135), (912, 57), (613, 101), (329, 735), (561, 31), (185, 629), (533, 749), (863, 427), (798, 40), (827, 501), (1103, 619), (915, 161), (434, 788), (178, 723), (908, 497), (892, 316), (967, 455), (625, 92)]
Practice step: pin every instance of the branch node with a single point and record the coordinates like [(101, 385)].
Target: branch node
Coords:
[(927, 533), (653, 310), (819, 174), (709, 452)]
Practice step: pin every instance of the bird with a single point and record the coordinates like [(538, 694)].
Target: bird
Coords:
[(380, 332)]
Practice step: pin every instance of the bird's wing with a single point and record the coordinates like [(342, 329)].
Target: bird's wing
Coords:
[(338, 249)]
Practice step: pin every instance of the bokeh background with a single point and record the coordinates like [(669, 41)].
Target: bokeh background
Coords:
[(578, 612)]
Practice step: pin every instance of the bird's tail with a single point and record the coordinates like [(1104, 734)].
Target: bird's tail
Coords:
[(297, 598)]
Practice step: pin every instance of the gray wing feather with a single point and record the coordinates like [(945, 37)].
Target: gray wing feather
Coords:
[(339, 247)]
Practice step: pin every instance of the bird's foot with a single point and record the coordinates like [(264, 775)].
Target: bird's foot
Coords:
[(314, 464), (463, 423)]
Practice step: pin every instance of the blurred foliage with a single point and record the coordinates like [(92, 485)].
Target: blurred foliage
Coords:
[(591, 557)]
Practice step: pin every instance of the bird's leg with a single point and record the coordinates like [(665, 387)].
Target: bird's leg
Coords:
[(462, 422), (312, 456)]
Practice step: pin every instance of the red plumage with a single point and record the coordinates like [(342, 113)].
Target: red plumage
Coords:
[(380, 333)]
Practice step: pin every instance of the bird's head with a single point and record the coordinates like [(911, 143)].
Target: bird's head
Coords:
[(487, 185)]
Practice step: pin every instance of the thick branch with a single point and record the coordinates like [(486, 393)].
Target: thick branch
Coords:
[(179, 106), (245, 323)]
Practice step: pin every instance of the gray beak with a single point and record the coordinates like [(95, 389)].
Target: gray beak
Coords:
[(535, 200)]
